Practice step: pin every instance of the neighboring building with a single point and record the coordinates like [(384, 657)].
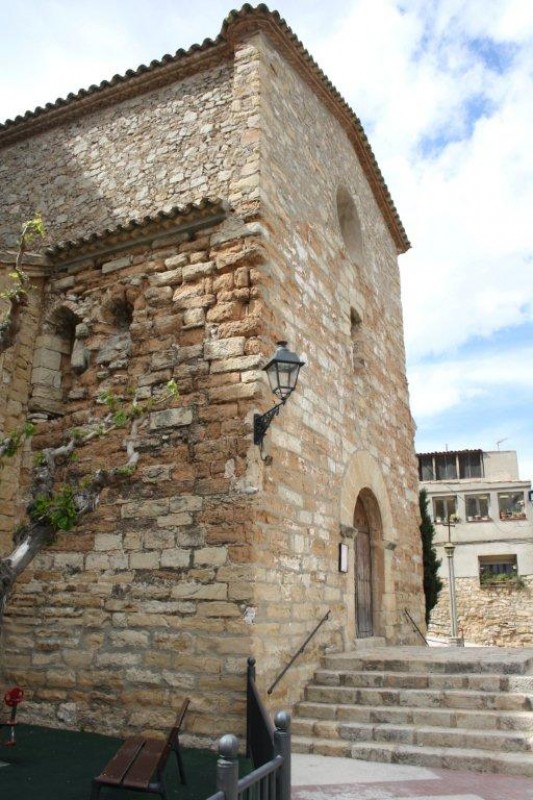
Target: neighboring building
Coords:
[(491, 522), (199, 210)]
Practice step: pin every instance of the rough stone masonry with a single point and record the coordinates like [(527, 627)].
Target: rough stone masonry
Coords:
[(199, 210)]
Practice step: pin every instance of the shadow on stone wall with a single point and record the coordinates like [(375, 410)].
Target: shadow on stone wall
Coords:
[(154, 151)]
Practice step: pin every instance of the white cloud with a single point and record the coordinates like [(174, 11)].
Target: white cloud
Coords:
[(53, 47), (475, 402), (442, 385), (415, 77)]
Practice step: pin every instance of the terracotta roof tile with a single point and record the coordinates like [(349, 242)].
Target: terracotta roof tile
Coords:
[(448, 452), (204, 210)]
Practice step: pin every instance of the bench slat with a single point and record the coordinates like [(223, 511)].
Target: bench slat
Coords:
[(144, 766), (117, 767), (139, 760)]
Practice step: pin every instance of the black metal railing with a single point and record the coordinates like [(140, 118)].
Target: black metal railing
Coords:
[(267, 745), (415, 627), (259, 727), (270, 781), (298, 653)]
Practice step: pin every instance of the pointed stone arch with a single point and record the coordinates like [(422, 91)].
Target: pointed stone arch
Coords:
[(52, 372), (364, 495)]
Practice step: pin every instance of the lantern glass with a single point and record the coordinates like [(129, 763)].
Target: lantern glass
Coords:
[(283, 371)]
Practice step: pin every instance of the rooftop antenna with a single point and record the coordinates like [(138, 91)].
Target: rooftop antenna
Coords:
[(498, 443)]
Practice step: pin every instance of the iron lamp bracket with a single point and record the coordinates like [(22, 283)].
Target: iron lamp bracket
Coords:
[(262, 422)]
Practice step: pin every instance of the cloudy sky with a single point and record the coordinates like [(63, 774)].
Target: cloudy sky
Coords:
[(445, 91)]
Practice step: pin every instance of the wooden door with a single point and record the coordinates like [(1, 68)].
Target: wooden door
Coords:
[(363, 588)]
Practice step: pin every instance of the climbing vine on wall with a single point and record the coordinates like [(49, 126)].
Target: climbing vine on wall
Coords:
[(15, 294), (58, 500)]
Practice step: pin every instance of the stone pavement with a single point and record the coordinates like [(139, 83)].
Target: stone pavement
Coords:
[(325, 778)]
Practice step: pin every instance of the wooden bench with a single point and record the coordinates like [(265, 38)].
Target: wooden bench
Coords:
[(139, 763)]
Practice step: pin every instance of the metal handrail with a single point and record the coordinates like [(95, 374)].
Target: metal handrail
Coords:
[(299, 652), (415, 626)]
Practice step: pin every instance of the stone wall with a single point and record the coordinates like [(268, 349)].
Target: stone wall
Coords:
[(192, 139), (211, 553), (494, 615), (147, 600), (348, 426), (152, 597), (15, 369)]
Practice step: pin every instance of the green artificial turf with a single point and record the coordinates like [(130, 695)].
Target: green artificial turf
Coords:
[(51, 764)]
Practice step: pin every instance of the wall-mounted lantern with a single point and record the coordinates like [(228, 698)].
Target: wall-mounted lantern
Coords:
[(282, 370)]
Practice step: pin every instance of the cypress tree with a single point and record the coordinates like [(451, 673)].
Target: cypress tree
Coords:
[(432, 582)]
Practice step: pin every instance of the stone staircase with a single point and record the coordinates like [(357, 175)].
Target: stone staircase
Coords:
[(453, 708)]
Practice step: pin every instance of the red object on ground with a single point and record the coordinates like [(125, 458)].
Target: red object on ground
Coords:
[(12, 698)]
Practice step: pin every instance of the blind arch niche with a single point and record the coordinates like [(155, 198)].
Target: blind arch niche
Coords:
[(350, 225)]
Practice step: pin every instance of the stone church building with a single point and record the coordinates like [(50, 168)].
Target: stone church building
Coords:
[(198, 210)]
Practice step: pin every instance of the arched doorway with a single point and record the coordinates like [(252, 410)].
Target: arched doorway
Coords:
[(369, 570), (364, 481)]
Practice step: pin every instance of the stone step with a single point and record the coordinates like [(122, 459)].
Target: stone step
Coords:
[(453, 708), (405, 715), (481, 682), (322, 747), (502, 741), (453, 698), (504, 661), (433, 757), (369, 643)]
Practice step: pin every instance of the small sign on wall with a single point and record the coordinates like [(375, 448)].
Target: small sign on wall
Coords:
[(343, 557)]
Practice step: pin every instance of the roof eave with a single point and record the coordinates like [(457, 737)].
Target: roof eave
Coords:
[(184, 218), (238, 26)]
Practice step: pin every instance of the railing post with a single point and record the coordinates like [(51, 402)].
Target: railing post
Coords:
[(282, 747), (250, 676), (228, 766)]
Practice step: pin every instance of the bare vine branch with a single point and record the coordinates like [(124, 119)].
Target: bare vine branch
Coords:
[(16, 295), (50, 509)]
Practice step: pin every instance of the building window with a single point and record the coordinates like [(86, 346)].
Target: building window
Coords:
[(477, 507), (425, 468), (446, 467), (450, 466), (470, 465), (444, 509), (497, 569), (511, 505)]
